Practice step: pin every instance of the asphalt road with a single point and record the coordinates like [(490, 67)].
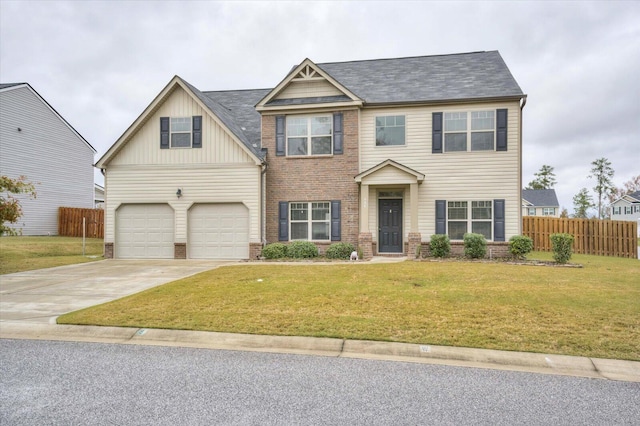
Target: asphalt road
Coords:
[(43, 382)]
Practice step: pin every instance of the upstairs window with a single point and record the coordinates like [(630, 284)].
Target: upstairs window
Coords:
[(309, 135), (469, 131), (180, 132), (390, 130), (548, 211)]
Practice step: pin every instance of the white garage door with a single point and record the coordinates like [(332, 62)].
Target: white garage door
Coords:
[(218, 231), (144, 231)]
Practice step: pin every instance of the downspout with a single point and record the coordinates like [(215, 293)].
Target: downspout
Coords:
[(522, 104), (264, 166)]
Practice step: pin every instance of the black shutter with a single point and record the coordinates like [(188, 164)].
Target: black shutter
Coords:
[(441, 216), (335, 221), (498, 220), (337, 133), (197, 131), (436, 133), (280, 128), (164, 132), (501, 130), (283, 221)]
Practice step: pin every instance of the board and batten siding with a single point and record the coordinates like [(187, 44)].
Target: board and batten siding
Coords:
[(453, 176), (308, 89), (199, 184), (49, 154), (217, 145)]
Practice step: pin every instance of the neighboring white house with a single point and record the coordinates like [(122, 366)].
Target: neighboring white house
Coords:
[(98, 196), (36, 142), (627, 208), (540, 202)]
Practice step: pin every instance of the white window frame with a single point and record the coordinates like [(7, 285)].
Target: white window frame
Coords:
[(628, 209), (475, 122), (309, 136), (548, 211), (469, 218), (176, 127), (531, 211), (391, 121), (310, 221)]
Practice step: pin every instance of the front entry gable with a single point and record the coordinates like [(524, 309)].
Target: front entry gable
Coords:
[(389, 172), (308, 85)]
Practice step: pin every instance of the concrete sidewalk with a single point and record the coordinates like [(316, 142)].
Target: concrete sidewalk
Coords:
[(404, 352)]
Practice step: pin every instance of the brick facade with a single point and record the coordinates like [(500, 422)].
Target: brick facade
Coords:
[(179, 250), (497, 250), (108, 250), (314, 178)]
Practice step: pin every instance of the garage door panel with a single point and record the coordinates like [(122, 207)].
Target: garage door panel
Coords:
[(218, 231), (145, 231)]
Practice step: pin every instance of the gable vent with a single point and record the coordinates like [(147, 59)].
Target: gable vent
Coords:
[(307, 73)]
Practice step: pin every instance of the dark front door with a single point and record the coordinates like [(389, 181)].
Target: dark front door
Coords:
[(390, 222)]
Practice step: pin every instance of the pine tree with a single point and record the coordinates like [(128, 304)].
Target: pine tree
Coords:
[(603, 173), (582, 202), (544, 179)]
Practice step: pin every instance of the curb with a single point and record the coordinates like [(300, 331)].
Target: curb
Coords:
[(406, 352)]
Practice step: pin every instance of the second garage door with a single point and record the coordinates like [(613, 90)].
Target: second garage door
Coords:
[(218, 231), (144, 231)]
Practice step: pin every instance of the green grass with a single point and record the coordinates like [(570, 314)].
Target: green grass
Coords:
[(591, 311), (28, 253)]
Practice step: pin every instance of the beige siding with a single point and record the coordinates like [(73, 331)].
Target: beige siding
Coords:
[(308, 89), (217, 145), (199, 184), (463, 176)]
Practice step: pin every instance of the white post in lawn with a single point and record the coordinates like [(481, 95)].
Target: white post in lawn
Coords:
[(84, 227)]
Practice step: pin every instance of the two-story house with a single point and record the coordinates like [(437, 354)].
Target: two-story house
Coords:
[(540, 202), (38, 143), (627, 208), (381, 154)]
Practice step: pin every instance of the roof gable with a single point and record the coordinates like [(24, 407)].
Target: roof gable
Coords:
[(307, 84), (13, 86), (411, 175), (216, 111)]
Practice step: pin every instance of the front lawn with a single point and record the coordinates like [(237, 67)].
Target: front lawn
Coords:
[(27, 253), (592, 311)]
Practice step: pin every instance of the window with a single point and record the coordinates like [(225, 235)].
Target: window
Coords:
[(627, 209), (314, 226), (475, 216), (532, 211), (548, 211), (636, 208), (617, 210), (309, 135), (390, 130), (458, 132), (180, 132)]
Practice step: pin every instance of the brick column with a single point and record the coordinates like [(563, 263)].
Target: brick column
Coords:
[(179, 250), (365, 245), (415, 241), (255, 250), (108, 250)]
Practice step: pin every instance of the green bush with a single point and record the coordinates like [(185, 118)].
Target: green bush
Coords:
[(475, 245), (520, 246), (562, 246), (274, 251), (339, 251), (302, 250), (440, 245)]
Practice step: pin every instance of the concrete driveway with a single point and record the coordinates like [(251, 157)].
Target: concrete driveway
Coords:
[(42, 295)]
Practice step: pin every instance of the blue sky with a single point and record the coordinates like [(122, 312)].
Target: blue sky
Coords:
[(101, 63)]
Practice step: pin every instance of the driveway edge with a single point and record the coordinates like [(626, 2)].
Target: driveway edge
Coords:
[(467, 357)]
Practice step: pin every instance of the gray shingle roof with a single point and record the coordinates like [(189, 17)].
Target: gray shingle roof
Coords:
[(5, 85), (541, 197), (475, 75)]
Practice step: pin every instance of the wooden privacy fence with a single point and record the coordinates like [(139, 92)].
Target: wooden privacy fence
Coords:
[(70, 222), (591, 236)]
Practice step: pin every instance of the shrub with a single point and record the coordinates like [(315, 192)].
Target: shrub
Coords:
[(302, 250), (274, 251), (440, 245), (520, 246), (475, 245), (339, 251), (562, 246)]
